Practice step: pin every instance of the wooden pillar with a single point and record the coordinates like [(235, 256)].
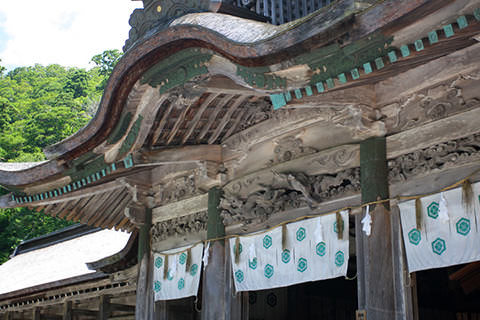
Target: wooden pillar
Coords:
[(104, 308), (67, 310), (376, 293), (217, 292), (144, 298), (36, 314), (405, 286)]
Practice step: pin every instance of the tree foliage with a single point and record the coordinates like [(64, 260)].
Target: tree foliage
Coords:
[(40, 106), (105, 62)]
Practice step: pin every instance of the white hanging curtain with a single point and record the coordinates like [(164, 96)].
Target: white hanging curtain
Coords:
[(179, 282), (449, 234), (313, 252)]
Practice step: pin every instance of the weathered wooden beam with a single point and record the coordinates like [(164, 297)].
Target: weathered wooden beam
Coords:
[(217, 284), (180, 208), (454, 127), (104, 310), (214, 275), (404, 309), (215, 227), (180, 154), (237, 121), (122, 307), (118, 212), (198, 116), (221, 84), (364, 95), (79, 194), (374, 253), (36, 315), (226, 118), (144, 297), (213, 116), (158, 131), (90, 209), (123, 317), (85, 312), (428, 74), (100, 216), (67, 311), (78, 207), (52, 317), (178, 123)]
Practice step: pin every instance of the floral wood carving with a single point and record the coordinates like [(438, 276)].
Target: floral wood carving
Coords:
[(439, 156), (431, 104), (181, 226), (176, 189), (289, 148)]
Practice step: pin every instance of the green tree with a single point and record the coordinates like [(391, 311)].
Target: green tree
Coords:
[(40, 106), (105, 62), (2, 69)]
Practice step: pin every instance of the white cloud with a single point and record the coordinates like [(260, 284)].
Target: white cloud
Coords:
[(66, 32)]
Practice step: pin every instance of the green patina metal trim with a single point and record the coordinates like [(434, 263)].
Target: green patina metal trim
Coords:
[(448, 30), (367, 68), (327, 61), (379, 63), (392, 56), (355, 74), (405, 50), (433, 37), (261, 77), (332, 61), (176, 70), (419, 45), (120, 129), (462, 22), (92, 172), (476, 14)]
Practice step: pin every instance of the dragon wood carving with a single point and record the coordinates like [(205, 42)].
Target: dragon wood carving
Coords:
[(297, 190)]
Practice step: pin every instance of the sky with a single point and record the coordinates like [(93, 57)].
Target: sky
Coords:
[(64, 32)]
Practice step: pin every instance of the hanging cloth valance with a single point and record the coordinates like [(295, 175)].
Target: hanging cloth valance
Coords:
[(448, 233), (181, 277), (312, 251)]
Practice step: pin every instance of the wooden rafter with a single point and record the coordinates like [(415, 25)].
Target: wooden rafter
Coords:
[(117, 214), (92, 207), (106, 215), (177, 124), (98, 217), (226, 118), (162, 123), (213, 116), (236, 122), (198, 116)]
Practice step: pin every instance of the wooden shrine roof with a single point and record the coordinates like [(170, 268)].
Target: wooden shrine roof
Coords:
[(207, 77), (64, 258)]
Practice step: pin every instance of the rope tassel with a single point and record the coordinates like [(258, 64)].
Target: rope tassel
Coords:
[(284, 237), (165, 268), (237, 250), (339, 225), (188, 263), (418, 213), (467, 196)]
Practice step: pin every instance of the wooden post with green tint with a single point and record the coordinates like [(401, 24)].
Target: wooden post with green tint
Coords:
[(217, 290), (374, 253), (144, 298)]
